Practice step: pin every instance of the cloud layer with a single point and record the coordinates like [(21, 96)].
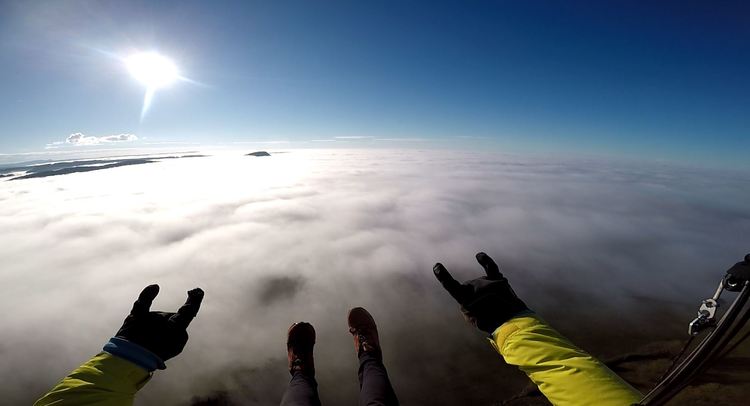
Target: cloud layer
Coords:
[(309, 234)]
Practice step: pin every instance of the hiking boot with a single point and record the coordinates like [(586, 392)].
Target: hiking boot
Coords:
[(365, 332), (299, 347)]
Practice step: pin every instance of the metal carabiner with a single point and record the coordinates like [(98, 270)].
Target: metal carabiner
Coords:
[(707, 312)]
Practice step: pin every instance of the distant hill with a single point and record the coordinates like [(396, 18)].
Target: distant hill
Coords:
[(258, 153)]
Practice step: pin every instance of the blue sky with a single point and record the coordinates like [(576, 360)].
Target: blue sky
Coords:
[(631, 79)]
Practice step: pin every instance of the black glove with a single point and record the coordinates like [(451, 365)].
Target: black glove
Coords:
[(487, 302), (162, 333), (737, 275)]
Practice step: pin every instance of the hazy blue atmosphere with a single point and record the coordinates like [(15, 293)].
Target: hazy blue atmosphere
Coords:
[(655, 80)]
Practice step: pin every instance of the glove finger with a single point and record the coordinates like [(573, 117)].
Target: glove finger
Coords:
[(189, 310), (468, 316), (143, 304), (450, 284), (489, 265)]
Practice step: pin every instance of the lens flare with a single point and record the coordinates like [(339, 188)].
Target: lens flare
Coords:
[(155, 71)]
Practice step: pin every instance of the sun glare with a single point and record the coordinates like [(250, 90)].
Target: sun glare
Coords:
[(153, 70)]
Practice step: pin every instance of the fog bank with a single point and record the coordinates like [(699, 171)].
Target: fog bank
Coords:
[(601, 250)]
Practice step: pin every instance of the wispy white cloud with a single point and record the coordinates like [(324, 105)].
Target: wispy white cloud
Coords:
[(80, 139), (402, 139), (355, 137), (170, 143), (270, 142)]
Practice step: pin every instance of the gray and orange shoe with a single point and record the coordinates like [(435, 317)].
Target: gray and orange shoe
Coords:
[(365, 332), (299, 348)]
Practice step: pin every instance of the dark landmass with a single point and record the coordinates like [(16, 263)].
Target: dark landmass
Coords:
[(185, 156), (68, 167), (258, 153), (4, 168), (74, 169), (23, 166), (56, 166)]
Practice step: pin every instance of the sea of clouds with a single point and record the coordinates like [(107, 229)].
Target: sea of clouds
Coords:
[(613, 254)]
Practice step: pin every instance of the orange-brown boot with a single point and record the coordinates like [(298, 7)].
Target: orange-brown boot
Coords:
[(299, 347), (365, 332)]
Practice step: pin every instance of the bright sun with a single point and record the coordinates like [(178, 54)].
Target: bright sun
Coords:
[(153, 70)]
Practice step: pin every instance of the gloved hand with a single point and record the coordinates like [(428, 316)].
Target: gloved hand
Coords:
[(737, 275), (488, 301), (162, 333)]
